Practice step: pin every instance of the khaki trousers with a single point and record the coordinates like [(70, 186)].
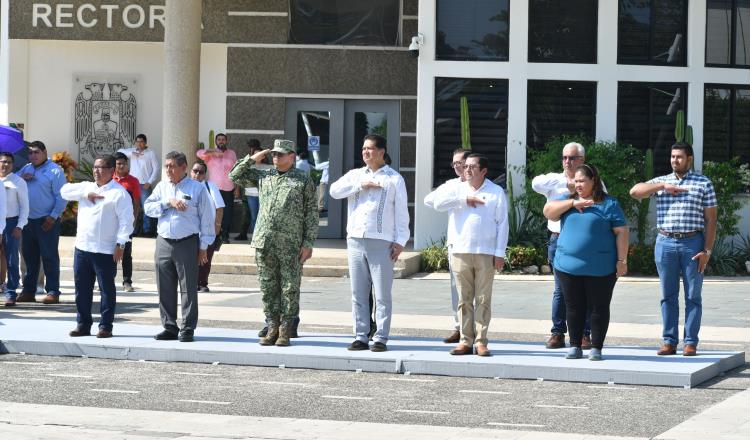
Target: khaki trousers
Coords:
[(474, 274)]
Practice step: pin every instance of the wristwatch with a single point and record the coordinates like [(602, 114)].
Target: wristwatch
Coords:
[(122, 245), (707, 251)]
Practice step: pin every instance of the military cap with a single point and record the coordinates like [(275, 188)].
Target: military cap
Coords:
[(283, 146)]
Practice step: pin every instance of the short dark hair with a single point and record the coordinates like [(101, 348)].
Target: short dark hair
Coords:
[(379, 141), (484, 163), (38, 144), (592, 173), (176, 156), (253, 144), (108, 159), (121, 156), (466, 152), (220, 134), (142, 136), (687, 148), (201, 163), (6, 154)]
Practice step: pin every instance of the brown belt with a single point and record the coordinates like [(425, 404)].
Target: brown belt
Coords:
[(679, 234)]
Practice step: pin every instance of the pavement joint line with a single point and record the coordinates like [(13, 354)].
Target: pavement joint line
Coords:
[(419, 411), (611, 387), (207, 402), (270, 382), (560, 406), (186, 373), (346, 397), (400, 379), (71, 376), (100, 390), (519, 425), (23, 363), (484, 392)]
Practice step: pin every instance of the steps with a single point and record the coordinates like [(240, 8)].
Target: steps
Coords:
[(329, 258)]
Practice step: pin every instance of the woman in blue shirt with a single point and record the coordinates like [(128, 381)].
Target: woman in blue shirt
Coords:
[(591, 253)]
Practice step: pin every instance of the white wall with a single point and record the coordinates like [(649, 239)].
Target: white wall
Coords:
[(41, 86), (518, 71)]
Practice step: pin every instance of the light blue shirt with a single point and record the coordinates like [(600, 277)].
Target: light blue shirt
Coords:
[(198, 218), (44, 189)]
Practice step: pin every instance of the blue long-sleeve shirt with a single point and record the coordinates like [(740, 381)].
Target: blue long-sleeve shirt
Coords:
[(198, 218), (44, 189)]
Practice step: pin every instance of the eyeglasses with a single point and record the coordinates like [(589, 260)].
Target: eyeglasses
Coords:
[(571, 158), (6, 161), (102, 168), (198, 171), (471, 167), (457, 164)]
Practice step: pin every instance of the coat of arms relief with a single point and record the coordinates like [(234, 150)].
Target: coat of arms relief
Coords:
[(104, 117)]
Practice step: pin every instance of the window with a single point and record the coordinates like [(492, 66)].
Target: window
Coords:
[(473, 31), (728, 33), (652, 32), (487, 102), (557, 108), (726, 122), (562, 31), (646, 115), (350, 22)]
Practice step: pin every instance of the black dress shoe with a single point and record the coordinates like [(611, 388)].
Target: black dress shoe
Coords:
[(378, 346), (186, 336), (166, 335), (357, 345), (77, 332), (263, 332)]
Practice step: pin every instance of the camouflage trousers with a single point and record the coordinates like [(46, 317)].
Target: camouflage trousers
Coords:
[(279, 275)]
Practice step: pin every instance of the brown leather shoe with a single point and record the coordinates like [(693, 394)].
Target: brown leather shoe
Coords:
[(26, 298), (689, 350), (453, 338), (51, 299), (586, 342), (482, 350), (461, 349), (77, 332), (557, 340), (666, 350), (104, 334)]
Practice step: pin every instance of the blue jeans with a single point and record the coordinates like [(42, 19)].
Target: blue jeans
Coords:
[(11, 257), (147, 225), (253, 203), (87, 268), (673, 257), (558, 300), (40, 245)]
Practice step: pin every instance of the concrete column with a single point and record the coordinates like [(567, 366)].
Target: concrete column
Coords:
[(4, 61), (182, 62)]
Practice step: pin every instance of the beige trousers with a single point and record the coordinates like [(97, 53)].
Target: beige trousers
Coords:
[(474, 274)]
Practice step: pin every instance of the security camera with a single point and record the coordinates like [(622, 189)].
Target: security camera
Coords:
[(414, 47), (416, 41)]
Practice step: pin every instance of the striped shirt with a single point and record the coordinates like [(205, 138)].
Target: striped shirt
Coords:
[(684, 212)]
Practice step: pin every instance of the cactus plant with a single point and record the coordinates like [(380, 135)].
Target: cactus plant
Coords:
[(465, 131), (682, 131), (211, 140)]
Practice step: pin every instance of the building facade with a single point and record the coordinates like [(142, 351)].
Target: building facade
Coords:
[(85, 76)]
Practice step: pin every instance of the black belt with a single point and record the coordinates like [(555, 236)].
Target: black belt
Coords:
[(679, 234), (177, 240), (554, 234), (11, 218)]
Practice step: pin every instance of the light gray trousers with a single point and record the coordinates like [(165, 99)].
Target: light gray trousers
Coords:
[(370, 265), (177, 262)]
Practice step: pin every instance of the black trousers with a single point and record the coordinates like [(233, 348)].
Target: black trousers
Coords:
[(127, 263), (582, 293), (226, 220)]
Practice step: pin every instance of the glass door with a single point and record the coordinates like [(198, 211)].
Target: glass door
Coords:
[(317, 127), (371, 117)]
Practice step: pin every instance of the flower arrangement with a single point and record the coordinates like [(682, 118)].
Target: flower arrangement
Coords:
[(68, 217), (66, 162)]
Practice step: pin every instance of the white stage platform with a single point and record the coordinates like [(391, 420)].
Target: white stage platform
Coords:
[(510, 360)]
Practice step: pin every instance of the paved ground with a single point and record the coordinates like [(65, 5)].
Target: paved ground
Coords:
[(320, 401)]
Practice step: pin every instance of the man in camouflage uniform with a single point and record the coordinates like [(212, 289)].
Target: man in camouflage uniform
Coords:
[(284, 233)]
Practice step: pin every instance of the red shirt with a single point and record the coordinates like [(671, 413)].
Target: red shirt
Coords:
[(131, 185)]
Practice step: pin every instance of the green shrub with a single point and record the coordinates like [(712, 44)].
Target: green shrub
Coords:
[(435, 257), (725, 259), (517, 257), (526, 223), (727, 179), (641, 259)]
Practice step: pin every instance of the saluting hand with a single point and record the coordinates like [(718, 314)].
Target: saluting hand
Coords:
[(674, 190), (93, 197), (178, 204), (260, 155), (581, 204), (369, 184), (474, 201)]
